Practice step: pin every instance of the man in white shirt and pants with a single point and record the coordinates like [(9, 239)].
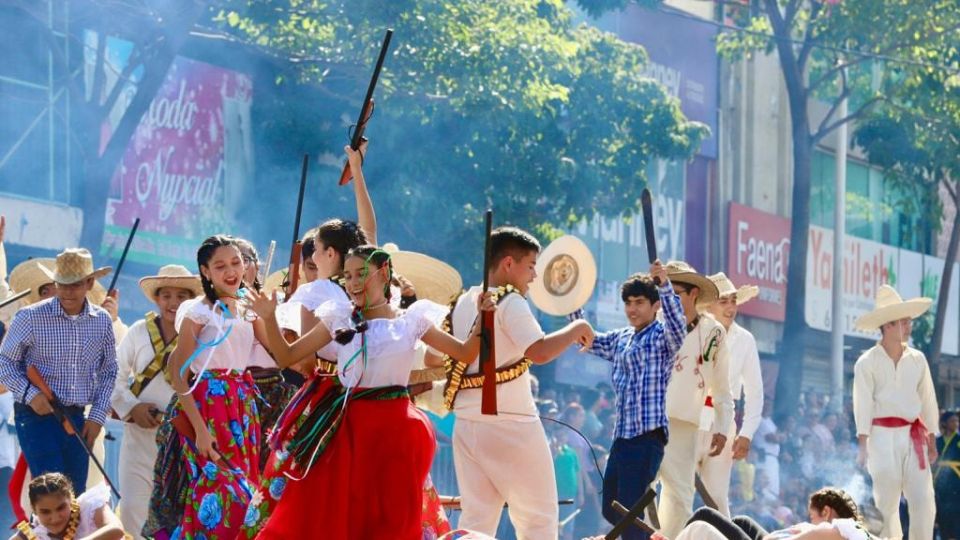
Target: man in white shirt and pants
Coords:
[(745, 378), (701, 370), (896, 412)]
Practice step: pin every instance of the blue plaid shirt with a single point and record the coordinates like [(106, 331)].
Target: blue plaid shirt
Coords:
[(77, 357), (642, 364)]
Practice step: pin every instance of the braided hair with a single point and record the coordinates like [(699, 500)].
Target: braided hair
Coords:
[(837, 499), (49, 484), (205, 253)]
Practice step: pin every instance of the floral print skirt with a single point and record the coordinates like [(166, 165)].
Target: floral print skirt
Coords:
[(218, 493)]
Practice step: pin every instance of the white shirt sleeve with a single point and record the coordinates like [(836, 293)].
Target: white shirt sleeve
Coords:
[(518, 323), (122, 399), (863, 384), (720, 387), (929, 411), (752, 388)]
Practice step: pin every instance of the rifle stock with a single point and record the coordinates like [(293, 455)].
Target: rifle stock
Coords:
[(293, 270), (488, 363)]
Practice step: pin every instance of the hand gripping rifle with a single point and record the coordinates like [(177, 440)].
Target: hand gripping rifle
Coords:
[(366, 111), (488, 362), (33, 375), (293, 270)]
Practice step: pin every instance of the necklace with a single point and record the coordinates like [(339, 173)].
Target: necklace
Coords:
[(378, 306), (27, 531)]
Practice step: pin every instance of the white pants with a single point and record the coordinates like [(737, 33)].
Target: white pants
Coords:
[(771, 464), (715, 471), (676, 477), (138, 452), (895, 469), (510, 462)]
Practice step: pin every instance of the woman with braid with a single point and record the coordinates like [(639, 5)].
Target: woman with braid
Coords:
[(57, 513), (357, 439)]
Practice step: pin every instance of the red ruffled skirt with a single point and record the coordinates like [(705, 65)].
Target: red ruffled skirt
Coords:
[(367, 483)]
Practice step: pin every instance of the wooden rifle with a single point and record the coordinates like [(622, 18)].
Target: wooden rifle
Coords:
[(488, 362), (366, 111)]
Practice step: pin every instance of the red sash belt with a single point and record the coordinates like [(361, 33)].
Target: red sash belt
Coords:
[(709, 401), (918, 434)]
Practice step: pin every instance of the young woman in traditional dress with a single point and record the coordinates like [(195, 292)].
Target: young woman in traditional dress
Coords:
[(361, 445), (58, 514), (216, 417)]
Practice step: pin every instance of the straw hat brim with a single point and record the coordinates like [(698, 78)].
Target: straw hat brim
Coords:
[(908, 309), (433, 279), (274, 282), (96, 274), (747, 293), (560, 292), (151, 284), (708, 289)]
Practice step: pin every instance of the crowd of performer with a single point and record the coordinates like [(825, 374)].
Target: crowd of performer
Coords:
[(246, 416)]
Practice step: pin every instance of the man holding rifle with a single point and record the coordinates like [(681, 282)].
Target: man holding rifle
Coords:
[(71, 342)]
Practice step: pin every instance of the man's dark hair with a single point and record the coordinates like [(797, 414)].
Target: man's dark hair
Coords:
[(309, 245), (510, 242), (640, 285)]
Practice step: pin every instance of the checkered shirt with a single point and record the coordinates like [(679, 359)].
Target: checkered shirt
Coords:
[(642, 364), (76, 357)]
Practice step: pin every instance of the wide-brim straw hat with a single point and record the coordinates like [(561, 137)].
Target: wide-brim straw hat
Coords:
[(681, 272), (433, 279), (566, 277), (725, 287), (171, 275), (889, 307), (74, 265), (35, 273)]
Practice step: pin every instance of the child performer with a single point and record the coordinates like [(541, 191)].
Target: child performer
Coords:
[(362, 443), (58, 514), (216, 418)]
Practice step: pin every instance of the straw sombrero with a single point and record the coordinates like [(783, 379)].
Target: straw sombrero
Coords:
[(681, 272), (433, 279), (171, 275), (74, 265), (566, 276), (889, 307), (28, 275), (725, 288)]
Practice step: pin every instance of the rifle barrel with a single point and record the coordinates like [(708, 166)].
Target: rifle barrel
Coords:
[(14, 298), (123, 256), (303, 186), (358, 132)]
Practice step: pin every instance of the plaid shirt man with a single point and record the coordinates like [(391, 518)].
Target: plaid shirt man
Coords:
[(76, 355), (642, 364)]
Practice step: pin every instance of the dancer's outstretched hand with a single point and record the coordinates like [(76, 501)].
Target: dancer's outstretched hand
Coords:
[(262, 303)]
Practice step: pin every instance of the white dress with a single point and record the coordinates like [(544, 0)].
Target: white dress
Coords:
[(90, 501)]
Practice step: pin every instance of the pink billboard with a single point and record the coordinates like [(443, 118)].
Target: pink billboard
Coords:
[(185, 166), (757, 254)]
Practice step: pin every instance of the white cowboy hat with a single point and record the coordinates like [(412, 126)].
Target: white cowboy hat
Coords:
[(726, 288), (889, 307), (73, 266), (566, 276), (681, 272), (29, 276), (432, 278), (171, 275)]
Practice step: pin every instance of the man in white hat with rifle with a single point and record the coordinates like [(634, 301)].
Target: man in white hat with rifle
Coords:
[(895, 408), (745, 379), (70, 341), (700, 371)]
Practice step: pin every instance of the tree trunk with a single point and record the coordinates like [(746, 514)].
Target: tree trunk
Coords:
[(936, 340), (795, 326), (179, 18)]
